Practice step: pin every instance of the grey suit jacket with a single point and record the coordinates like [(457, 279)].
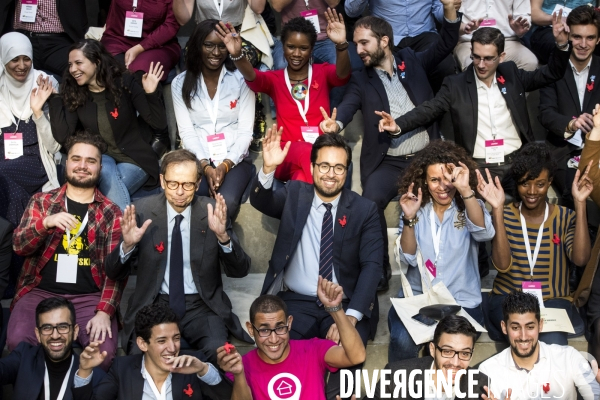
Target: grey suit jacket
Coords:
[(206, 257)]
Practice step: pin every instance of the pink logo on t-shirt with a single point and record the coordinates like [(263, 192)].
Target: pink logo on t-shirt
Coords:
[(284, 386)]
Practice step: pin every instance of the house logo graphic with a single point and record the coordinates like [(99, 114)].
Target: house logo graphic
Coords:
[(284, 386)]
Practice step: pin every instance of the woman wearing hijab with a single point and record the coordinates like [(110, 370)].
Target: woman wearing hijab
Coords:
[(27, 147)]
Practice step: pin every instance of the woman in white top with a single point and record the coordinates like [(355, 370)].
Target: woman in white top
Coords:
[(27, 161), (214, 109)]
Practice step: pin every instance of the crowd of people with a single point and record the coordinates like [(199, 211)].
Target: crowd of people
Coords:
[(93, 190)]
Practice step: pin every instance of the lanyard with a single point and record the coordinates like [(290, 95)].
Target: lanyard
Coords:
[(538, 242), (219, 6), (81, 228), (306, 2), (63, 388), (304, 110), (436, 233), (212, 109), (134, 5)]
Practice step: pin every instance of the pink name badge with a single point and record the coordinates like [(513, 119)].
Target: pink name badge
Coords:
[(431, 268), (134, 21), (313, 17), (217, 146), (488, 22), (534, 288), (310, 133), (532, 285), (494, 151)]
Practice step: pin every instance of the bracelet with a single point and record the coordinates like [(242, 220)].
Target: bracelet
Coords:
[(234, 59), (562, 46), (468, 197), (224, 244), (204, 169), (334, 308), (344, 46)]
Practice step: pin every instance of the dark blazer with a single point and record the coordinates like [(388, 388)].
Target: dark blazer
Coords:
[(125, 382), (133, 141), (366, 92), (559, 103), (423, 364), (73, 17), (357, 247), (459, 96), (24, 368), (6, 252), (206, 257)]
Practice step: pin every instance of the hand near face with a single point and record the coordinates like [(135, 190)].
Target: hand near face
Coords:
[(40, 94), (336, 30), (582, 185), (151, 79), (231, 39), (410, 203), (186, 364), (458, 176), (91, 357), (559, 28)]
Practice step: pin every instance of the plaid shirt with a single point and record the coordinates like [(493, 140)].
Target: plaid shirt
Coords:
[(39, 244), (46, 18)]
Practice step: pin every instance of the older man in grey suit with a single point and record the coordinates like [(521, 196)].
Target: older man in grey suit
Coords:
[(177, 252)]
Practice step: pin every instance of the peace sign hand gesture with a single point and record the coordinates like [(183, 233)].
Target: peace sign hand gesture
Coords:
[(582, 186), (410, 203), (387, 123), (329, 125)]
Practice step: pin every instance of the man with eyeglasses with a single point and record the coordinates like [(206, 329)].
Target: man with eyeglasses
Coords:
[(46, 370), (177, 242), (532, 369), (451, 349), (325, 230), (280, 368)]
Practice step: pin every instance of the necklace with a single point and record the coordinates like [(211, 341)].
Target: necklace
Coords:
[(299, 80)]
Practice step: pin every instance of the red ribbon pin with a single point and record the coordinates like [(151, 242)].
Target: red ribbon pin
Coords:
[(160, 247)]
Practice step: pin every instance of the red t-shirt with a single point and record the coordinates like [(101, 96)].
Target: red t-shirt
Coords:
[(273, 84)]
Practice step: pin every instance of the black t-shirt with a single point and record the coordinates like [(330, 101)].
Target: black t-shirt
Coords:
[(85, 281), (56, 376)]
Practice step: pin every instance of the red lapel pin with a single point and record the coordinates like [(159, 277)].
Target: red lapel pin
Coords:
[(115, 113), (546, 387), (315, 85), (232, 104), (189, 391), (342, 221), (402, 67), (501, 80), (160, 247), (556, 239), (228, 347)]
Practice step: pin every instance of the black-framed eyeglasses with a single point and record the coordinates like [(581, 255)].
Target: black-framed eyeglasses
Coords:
[(48, 329), (174, 185), (448, 353), (211, 46), (338, 169), (266, 332), (487, 60)]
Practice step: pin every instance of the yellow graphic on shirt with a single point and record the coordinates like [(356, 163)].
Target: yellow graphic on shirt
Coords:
[(77, 245)]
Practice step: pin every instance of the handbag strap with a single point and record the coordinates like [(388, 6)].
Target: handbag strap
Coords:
[(425, 280)]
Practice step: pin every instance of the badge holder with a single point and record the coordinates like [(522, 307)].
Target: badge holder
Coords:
[(134, 22), (313, 17), (494, 151), (13, 145), (28, 10)]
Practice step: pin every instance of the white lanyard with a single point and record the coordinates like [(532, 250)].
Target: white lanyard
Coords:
[(306, 2), (538, 242), (436, 233), (134, 5), (219, 6), (81, 228), (213, 110), (306, 99), (63, 388)]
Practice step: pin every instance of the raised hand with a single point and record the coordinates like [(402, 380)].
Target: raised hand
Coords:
[(273, 154), (410, 203), (129, 229), (217, 218), (132, 53), (491, 190), (458, 177), (329, 293), (520, 26), (582, 186), (231, 39), (231, 362), (187, 365), (40, 94), (152, 77), (559, 28), (387, 123), (336, 30), (328, 125), (90, 358)]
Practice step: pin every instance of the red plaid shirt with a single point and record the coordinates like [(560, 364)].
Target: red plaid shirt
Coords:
[(46, 18), (39, 244)]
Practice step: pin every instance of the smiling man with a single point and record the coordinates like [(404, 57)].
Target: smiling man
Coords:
[(533, 369)]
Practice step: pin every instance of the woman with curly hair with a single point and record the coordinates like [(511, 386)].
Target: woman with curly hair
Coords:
[(534, 239), (99, 95), (438, 201)]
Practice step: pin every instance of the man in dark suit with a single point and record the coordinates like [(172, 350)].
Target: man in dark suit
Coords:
[(26, 365), (325, 230), (160, 370), (178, 252), (566, 106), (396, 82), (451, 348)]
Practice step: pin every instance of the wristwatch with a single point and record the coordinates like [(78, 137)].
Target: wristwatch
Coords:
[(410, 222), (334, 308)]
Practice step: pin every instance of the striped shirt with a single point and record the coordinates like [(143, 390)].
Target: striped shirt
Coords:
[(551, 267)]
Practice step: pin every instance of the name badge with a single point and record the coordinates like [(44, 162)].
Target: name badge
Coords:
[(494, 151), (13, 145), (28, 10), (310, 133), (217, 147), (133, 24), (431, 268), (566, 10), (488, 22), (313, 17), (535, 288), (66, 268)]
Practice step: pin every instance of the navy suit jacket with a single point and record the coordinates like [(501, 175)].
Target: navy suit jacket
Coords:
[(25, 367), (559, 103), (357, 246), (459, 96), (125, 382), (366, 92)]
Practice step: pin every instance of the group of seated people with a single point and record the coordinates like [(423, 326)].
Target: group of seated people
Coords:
[(78, 151)]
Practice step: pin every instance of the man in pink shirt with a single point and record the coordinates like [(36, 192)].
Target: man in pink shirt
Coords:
[(281, 368)]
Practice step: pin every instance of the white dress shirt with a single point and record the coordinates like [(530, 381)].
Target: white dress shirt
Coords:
[(302, 273), (495, 9), (581, 80), (494, 120), (560, 369)]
